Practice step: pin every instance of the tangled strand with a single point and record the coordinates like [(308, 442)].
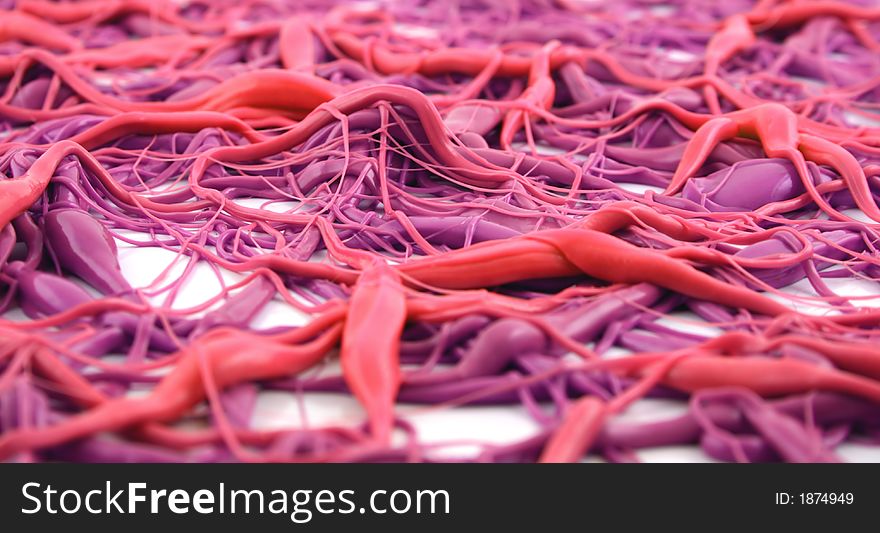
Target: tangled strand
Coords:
[(533, 204)]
